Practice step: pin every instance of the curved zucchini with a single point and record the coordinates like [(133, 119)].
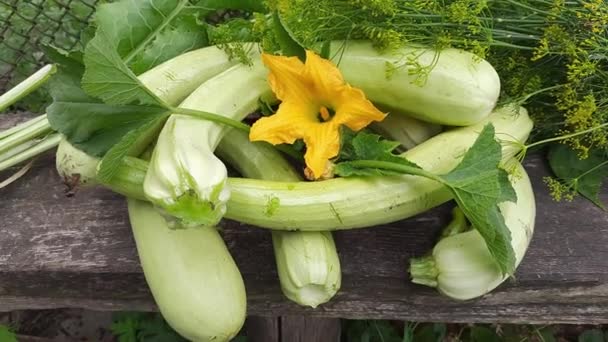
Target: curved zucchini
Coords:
[(461, 266), (460, 89), (191, 274), (344, 203)]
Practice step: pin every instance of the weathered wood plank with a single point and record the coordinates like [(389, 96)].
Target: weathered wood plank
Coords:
[(263, 329), (310, 329), (78, 252)]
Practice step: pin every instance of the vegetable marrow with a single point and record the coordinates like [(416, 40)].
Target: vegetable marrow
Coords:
[(459, 89), (461, 266), (191, 274)]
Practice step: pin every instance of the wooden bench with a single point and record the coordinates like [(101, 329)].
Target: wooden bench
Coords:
[(58, 251)]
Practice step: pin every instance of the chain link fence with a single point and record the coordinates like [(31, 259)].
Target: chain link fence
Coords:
[(27, 25)]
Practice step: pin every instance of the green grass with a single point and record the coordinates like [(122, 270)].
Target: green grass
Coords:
[(394, 331)]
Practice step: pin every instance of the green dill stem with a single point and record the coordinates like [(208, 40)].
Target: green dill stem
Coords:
[(212, 117), (540, 91), (531, 8), (27, 86), (564, 137), (410, 170), (22, 126), (46, 144)]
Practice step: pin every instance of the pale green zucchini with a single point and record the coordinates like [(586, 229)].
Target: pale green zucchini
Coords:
[(461, 265), (460, 88), (191, 274), (344, 203), (307, 262)]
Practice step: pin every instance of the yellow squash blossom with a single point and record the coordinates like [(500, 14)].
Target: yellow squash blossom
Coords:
[(315, 103)]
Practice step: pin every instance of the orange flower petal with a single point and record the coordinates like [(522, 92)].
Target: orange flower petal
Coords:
[(324, 76), (286, 79), (285, 126), (355, 111), (322, 143)]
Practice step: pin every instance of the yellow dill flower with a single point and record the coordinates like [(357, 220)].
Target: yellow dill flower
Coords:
[(315, 103)]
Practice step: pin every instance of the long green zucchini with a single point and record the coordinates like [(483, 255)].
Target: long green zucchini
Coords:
[(345, 203), (355, 202)]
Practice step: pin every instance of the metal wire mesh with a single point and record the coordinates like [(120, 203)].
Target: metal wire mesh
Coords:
[(26, 25)]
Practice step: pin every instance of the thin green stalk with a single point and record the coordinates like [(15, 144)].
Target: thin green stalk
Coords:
[(22, 126), (564, 137), (46, 144), (18, 149), (376, 164), (31, 132), (596, 167), (27, 86), (212, 117), (540, 91)]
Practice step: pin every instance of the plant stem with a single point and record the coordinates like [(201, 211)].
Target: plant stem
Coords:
[(596, 167), (212, 117), (27, 86), (46, 144), (22, 126), (540, 91), (28, 133), (18, 149), (567, 136), (410, 170)]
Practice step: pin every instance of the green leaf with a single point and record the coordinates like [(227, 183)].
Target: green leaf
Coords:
[(6, 334), (185, 34), (584, 175), (107, 77), (87, 123), (366, 146), (132, 144), (479, 185), (135, 26), (480, 333), (125, 326), (592, 335), (243, 5), (546, 334), (432, 332), (289, 44), (137, 33)]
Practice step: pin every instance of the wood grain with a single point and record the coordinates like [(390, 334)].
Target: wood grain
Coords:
[(58, 251), (310, 329)]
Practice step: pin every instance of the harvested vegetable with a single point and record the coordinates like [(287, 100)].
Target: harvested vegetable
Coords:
[(460, 265), (310, 77)]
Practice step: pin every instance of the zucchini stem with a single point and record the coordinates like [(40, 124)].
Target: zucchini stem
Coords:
[(424, 271)]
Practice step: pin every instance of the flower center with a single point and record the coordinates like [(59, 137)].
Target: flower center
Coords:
[(325, 114)]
